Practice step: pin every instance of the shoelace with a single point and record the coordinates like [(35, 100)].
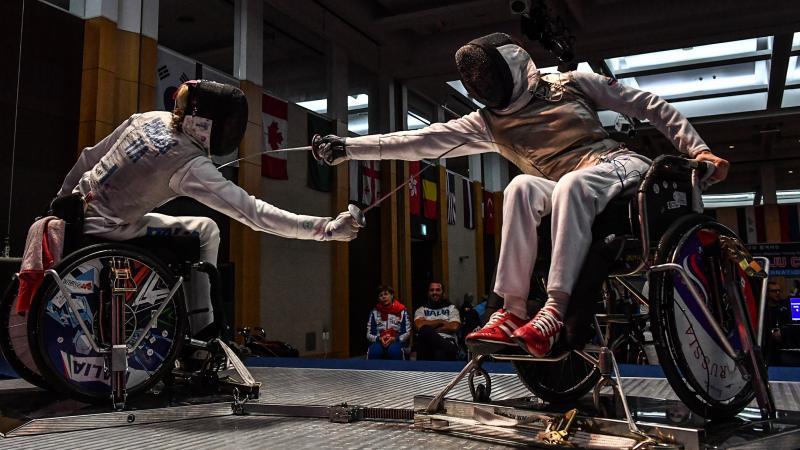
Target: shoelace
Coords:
[(495, 318), (546, 323)]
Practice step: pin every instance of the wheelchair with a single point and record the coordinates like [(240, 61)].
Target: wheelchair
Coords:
[(110, 320), (705, 295)]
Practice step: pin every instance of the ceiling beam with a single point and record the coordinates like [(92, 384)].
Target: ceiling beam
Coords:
[(781, 47)]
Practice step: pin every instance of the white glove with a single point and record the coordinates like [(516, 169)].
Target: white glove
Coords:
[(343, 228)]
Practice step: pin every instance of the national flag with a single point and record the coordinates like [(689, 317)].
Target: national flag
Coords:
[(727, 217), (751, 235), (354, 173), (469, 214), (414, 189), (761, 225), (790, 223), (488, 212), (275, 116), (172, 70), (429, 195), (370, 182), (320, 175), (451, 199), (741, 221)]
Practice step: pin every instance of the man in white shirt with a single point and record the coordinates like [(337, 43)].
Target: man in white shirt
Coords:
[(437, 323)]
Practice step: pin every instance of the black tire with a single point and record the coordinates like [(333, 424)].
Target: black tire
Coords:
[(14, 338), (675, 328), (44, 325), (558, 382)]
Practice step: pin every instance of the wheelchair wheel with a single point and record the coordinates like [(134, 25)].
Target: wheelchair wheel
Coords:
[(14, 338), (62, 351), (558, 382), (706, 379)]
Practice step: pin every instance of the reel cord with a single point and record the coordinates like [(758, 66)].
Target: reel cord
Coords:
[(7, 237)]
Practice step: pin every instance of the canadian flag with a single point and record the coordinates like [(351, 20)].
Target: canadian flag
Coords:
[(275, 115)]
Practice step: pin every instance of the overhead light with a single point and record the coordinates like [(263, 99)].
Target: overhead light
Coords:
[(791, 171), (731, 146)]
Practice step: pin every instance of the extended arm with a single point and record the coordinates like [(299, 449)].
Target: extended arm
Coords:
[(200, 180), (607, 93), (469, 134)]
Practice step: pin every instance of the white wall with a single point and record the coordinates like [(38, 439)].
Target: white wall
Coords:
[(461, 244), (296, 275)]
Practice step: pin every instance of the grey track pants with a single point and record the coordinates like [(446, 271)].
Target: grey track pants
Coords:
[(573, 202)]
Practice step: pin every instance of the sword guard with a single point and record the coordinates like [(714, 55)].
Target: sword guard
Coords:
[(357, 215), (315, 141)]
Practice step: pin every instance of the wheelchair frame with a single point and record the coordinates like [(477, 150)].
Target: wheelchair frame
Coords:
[(605, 361), (116, 354)]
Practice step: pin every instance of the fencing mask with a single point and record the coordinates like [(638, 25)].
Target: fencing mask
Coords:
[(216, 116), (494, 69)]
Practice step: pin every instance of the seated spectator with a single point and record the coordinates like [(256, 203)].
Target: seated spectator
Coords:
[(437, 324), (388, 328)]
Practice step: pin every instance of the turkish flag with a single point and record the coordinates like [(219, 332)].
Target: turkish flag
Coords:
[(488, 212), (275, 116)]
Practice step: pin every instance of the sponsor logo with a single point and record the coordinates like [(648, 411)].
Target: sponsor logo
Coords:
[(82, 284), (84, 369)]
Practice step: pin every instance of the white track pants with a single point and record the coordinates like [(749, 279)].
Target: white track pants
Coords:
[(573, 202), (154, 224)]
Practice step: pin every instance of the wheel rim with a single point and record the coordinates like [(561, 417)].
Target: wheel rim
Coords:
[(68, 351), (711, 370)]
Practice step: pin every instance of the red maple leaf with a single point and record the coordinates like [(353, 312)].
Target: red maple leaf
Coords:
[(274, 136)]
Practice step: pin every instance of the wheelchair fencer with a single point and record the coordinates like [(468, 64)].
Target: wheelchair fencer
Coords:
[(111, 320), (705, 297)]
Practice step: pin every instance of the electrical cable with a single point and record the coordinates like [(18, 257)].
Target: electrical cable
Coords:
[(7, 238)]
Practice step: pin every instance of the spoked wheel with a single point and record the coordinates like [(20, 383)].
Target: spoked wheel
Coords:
[(14, 338), (562, 381), (703, 376), (63, 352)]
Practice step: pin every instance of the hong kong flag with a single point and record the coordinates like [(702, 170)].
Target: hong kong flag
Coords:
[(275, 115), (414, 189)]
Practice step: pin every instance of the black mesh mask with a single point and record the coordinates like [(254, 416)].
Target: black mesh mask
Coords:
[(484, 71), (225, 106)]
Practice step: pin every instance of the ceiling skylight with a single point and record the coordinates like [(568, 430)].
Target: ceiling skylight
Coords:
[(669, 58), (722, 105), (358, 101), (710, 80), (459, 86), (582, 67), (793, 71)]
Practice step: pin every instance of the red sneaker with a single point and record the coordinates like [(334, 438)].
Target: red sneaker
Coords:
[(496, 334), (538, 335)]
